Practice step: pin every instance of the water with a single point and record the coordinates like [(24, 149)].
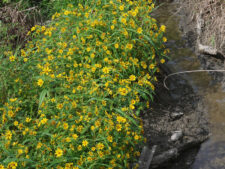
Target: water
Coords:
[(212, 152)]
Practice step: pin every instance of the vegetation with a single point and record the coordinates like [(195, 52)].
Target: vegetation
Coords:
[(71, 97)]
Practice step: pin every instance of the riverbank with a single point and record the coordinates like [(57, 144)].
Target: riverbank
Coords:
[(185, 108)]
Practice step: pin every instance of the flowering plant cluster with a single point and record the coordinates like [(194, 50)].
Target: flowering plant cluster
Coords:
[(71, 97)]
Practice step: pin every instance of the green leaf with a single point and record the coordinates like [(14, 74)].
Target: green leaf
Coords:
[(9, 159), (42, 97), (56, 161), (90, 123), (127, 116)]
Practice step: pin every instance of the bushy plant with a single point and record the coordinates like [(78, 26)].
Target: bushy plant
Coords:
[(72, 97)]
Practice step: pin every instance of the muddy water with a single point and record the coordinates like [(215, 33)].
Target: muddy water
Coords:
[(212, 153)]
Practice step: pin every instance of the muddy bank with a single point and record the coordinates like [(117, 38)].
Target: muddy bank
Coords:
[(186, 111), (176, 110)]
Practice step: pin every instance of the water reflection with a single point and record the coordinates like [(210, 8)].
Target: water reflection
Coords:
[(215, 100), (210, 156)]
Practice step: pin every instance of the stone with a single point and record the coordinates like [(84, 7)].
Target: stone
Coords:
[(176, 135)]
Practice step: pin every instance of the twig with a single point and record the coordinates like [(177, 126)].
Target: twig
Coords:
[(29, 9), (191, 71)]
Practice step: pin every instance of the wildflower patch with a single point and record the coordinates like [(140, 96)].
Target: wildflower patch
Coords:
[(73, 93)]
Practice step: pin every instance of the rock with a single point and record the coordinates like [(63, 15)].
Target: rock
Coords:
[(176, 115), (164, 157), (176, 135), (146, 157)]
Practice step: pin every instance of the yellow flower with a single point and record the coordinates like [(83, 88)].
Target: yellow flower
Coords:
[(132, 107), (16, 123), (92, 128), (92, 55), (101, 154), (12, 165), (28, 119), (58, 152), (163, 28), (44, 121), (112, 27), (121, 7), (39, 145), (106, 70), (133, 101), (152, 66), (68, 139), (66, 12), (75, 136), (116, 45), (129, 46), (12, 99), (103, 102), (136, 137), (84, 143), (134, 13), (74, 104), (20, 151), (59, 106), (33, 29), (63, 29), (40, 82), (123, 91), (132, 77), (25, 59), (143, 64), (110, 139), (8, 135), (43, 28), (162, 61), (139, 30), (93, 148), (120, 119), (11, 113), (88, 49), (164, 39), (79, 148), (65, 126), (100, 146), (118, 127), (2, 167), (74, 36), (12, 58), (123, 20)]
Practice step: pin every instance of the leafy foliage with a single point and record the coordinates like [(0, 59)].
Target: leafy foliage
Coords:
[(70, 95)]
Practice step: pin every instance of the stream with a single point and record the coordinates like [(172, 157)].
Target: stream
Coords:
[(209, 86)]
